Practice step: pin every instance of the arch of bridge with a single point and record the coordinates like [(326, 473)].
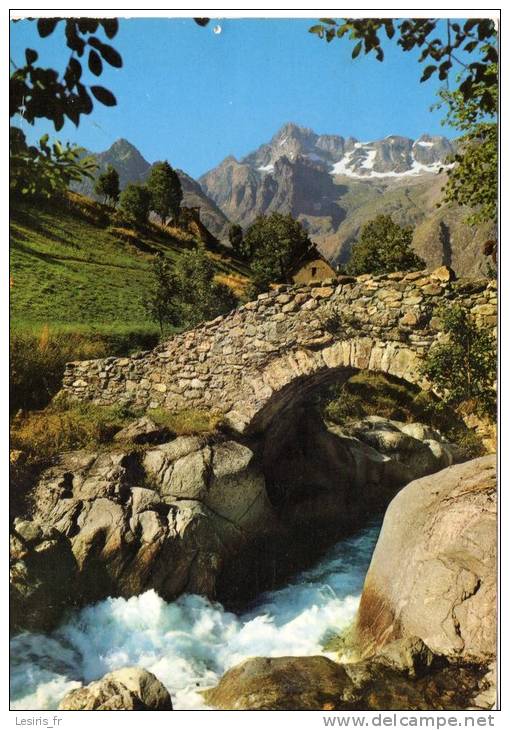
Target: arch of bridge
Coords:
[(253, 362)]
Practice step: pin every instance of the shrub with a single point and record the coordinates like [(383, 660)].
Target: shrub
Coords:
[(383, 247), (134, 203), (464, 368)]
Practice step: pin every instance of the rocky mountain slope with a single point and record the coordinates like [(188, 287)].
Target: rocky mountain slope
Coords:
[(134, 168), (335, 184)]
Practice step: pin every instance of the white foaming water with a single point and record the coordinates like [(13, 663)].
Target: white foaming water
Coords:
[(190, 643)]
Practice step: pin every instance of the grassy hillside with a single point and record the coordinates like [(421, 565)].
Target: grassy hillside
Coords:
[(71, 270)]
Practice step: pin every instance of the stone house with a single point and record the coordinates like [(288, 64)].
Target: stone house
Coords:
[(312, 266)]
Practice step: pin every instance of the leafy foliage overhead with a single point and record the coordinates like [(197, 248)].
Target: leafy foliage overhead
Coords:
[(383, 246), (37, 92), (473, 180), (476, 37), (46, 170)]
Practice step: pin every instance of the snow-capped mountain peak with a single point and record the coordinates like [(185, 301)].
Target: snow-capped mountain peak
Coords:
[(393, 156)]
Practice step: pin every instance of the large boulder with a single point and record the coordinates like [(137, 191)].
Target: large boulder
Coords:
[(433, 573), (408, 676), (168, 518), (284, 683), (417, 448), (320, 472), (42, 575), (130, 688)]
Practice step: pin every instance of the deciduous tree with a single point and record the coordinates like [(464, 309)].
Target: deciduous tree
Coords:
[(135, 203), (383, 246), (465, 367), (273, 244), (107, 185), (235, 236), (165, 189)]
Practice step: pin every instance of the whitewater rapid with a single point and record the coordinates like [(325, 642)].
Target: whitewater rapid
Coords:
[(189, 643)]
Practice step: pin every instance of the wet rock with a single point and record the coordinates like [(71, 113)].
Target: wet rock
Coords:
[(433, 572), (487, 696), (200, 504), (409, 678), (42, 576), (409, 655), (284, 683), (420, 449), (130, 688)]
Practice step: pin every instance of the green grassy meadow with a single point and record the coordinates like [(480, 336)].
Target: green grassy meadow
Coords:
[(72, 271)]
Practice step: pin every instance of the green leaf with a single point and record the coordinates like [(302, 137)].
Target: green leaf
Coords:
[(328, 21), (111, 26), (357, 49), (103, 95), (429, 70), (95, 63), (317, 29), (31, 56), (46, 26)]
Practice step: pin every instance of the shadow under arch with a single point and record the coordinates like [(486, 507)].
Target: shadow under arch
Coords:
[(289, 379)]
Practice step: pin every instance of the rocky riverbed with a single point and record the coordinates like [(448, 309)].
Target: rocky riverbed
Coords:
[(210, 515), (152, 533)]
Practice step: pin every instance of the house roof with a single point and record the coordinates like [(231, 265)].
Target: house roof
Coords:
[(312, 254)]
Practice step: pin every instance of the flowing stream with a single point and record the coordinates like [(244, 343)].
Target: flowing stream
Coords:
[(189, 643)]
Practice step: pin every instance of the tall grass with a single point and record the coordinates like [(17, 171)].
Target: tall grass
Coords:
[(37, 359)]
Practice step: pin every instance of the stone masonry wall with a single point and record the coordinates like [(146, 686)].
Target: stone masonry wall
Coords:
[(244, 362)]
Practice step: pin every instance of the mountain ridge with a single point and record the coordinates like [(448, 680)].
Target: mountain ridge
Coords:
[(134, 168), (334, 184)]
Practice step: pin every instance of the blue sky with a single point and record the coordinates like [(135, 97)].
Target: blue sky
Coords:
[(193, 97)]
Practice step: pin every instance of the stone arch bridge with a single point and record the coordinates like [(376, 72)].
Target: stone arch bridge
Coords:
[(252, 363)]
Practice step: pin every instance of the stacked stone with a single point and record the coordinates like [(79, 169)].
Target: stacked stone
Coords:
[(223, 362)]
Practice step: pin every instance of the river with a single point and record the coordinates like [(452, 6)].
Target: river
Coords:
[(189, 643)]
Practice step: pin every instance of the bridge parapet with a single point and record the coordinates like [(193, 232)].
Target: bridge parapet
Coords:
[(250, 362)]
